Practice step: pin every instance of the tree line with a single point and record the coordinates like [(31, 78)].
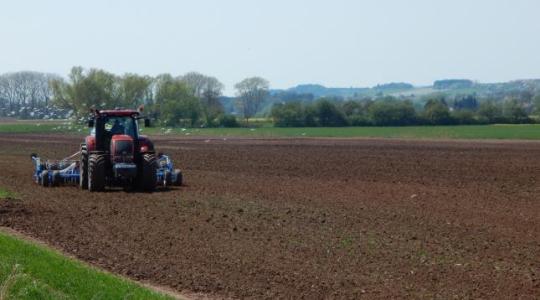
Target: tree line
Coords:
[(189, 100), (391, 111), (196, 100), (192, 99), (26, 94)]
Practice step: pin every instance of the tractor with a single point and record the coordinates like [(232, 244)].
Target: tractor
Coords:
[(114, 154)]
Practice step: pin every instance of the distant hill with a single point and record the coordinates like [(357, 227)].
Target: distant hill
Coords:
[(319, 91), (523, 89), (453, 84)]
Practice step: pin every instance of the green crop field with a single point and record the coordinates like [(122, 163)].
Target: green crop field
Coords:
[(39, 127), (30, 271), (525, 132), (503, 131)]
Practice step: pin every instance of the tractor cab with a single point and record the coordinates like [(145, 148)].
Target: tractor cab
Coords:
[(107, 123)]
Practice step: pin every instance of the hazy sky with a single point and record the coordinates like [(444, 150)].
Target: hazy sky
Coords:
[(335, 43)]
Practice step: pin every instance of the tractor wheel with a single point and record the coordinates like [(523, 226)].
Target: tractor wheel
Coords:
[(148, 178), (45, 178), (167, 178), (96, 172), (179, 178), (83, 170), (56, 178)]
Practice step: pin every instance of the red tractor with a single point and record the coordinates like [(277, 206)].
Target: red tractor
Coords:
[(114, 154)]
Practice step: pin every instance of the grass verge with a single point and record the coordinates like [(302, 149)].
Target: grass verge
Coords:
[(6, 194), (29, 271)]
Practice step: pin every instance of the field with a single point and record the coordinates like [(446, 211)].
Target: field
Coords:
[(502, 131), (302, 218), (522, 132)]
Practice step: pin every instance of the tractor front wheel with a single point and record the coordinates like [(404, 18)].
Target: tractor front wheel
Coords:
[(96, 172)]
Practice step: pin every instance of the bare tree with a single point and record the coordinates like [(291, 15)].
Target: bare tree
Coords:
[(195, 82), (251, 93), (23, 93), (207, 89)]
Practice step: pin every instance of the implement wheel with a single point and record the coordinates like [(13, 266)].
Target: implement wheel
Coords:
[(56, 178), (178, 181), (83, 180), (45, 178)]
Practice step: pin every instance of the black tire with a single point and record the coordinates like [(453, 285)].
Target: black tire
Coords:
[(96, 172), (45, 178), (56, 178), (179, 178), (167, 176), (83, 170), (148, 174)]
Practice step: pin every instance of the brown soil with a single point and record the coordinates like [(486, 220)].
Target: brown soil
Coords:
[(302, 218)]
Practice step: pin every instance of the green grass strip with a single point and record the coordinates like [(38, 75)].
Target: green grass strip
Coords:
[(30, 271), (6, 194)]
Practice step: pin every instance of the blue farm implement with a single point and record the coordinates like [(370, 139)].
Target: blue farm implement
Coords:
[(50, 173), (55, 172)]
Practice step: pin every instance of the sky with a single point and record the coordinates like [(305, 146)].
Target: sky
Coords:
[(338, 43)]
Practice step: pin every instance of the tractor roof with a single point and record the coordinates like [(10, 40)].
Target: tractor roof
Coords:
[(119, 112)]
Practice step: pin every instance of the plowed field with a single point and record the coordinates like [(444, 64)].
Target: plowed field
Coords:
[(302, 218)]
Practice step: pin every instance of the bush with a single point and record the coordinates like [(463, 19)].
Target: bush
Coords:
[(390, 112), (328, 115), (288, 115), (436, 112), (359, 120), (464, 117), (228, 121)]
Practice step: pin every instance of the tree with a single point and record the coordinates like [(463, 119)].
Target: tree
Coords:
[(490, 111), (328, 114), (351, 108), (174, 103), (208, 90), (513, 111), (468, 102), (289, 114), (436, 112), (134, 90), (22, 93), (251, 92), (392, 112), (536, 103), (84, 90)]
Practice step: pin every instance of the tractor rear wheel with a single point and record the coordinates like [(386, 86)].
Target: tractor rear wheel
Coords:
[(96, 172), (83, 170), (45, 178), (148, 173)]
